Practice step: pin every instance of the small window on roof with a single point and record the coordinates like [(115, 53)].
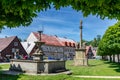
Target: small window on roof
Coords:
[(15, 43), (70, 44), (73, 44), (66, 44)]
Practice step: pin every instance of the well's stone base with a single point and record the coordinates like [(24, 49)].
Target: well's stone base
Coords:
[(80, 58), (31, 66)]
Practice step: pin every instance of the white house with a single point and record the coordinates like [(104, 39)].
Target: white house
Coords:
[(55, 47)]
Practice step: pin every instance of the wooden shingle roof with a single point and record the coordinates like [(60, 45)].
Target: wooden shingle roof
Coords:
[(5, 42)]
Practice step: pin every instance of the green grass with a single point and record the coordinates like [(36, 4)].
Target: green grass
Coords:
[(96, 67), (4, 66), (51, 77)]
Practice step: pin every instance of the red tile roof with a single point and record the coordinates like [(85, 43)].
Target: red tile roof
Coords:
[(67, 42), (49, 40), (4, 42), (53, 40)]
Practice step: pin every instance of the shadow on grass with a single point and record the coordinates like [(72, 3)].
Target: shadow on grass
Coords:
[(8, 77), (114, 65)]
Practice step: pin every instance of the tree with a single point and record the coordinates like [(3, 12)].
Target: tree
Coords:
[(98, 39), (110, 43), (15, 13), (20, 39), (95, 42)]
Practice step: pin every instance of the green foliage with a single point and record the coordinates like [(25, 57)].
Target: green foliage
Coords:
[(15, 13), (95, 42), (110, 43)]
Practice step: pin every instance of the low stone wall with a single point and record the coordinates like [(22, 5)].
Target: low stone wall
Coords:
[(31, 66)]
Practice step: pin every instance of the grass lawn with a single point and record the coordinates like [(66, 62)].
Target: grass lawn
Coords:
[(55, 77), (96, 67), (4, 66)]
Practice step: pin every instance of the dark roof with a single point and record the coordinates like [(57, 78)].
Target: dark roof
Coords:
[(4, 42)]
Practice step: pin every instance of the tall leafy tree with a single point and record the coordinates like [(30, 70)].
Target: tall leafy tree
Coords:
[(98, 39), (110, 43), (15, 13), (95, 41)]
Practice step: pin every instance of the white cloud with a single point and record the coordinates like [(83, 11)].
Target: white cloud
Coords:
[(64, 22)]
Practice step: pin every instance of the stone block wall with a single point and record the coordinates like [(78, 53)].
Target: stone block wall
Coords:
[(31, 66)]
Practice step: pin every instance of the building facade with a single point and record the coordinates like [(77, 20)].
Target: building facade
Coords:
[(9, 47), (54, 47), (89, 52)]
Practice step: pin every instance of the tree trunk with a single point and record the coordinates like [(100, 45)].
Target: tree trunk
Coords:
[(118, 58), (102, 57), (110, 58), (113, 58)]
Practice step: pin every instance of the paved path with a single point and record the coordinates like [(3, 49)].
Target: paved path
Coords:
[(98, 76)]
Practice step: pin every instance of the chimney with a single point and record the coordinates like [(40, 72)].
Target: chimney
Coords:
[(56, 36)]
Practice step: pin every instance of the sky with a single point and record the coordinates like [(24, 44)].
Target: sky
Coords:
[(62, 23)]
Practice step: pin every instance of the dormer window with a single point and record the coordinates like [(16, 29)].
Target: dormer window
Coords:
[(73, 44), (70, 44), (66, 44)]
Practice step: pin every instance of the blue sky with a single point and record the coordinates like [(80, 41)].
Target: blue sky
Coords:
[(63, 23)]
